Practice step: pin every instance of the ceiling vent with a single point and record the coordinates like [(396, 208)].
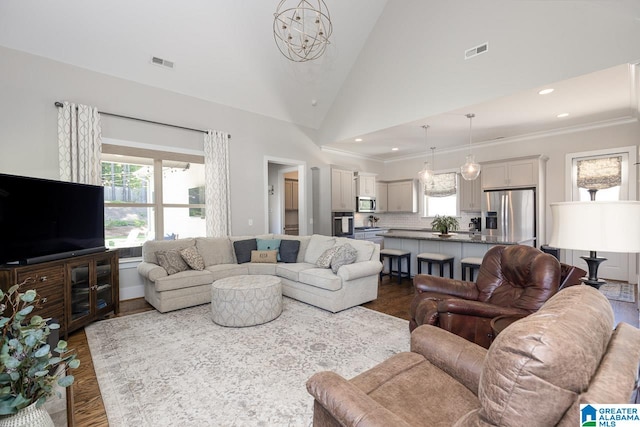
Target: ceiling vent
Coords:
[(475, 51), (162, 62)]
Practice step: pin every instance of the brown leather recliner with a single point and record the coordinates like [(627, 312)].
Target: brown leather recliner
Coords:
[(513, 280), (570, 275), (537, 371)]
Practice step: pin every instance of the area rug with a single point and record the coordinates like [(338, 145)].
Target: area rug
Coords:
[(180, 368), (617, 291)]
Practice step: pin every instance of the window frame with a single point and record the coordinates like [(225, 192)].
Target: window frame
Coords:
[(157, 157), (425, 201)]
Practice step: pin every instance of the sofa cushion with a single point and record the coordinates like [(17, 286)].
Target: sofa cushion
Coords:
[(322, 278), (183, 279), (220, 271), (346, 254), (264, 256), (365, 248), (324, 260), (171, 261), (243, 249), (289, 250), (150, 247), (317, 245), (268, 245), (292, 271), (192, 257), (215, 250), (261, 268)]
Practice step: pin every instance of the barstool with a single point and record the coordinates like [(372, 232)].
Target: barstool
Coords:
[(440, 259), (472, 263), (398, 255)]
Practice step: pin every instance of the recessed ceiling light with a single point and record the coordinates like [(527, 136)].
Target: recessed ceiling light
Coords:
[(395, 149), (358, 139), (546, 91), (561, 115)]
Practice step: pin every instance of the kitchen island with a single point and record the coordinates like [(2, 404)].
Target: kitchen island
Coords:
[(459, 245)]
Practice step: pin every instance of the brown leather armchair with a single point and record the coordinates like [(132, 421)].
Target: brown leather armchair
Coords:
[(537, 371), (513, 280), (570, 275)]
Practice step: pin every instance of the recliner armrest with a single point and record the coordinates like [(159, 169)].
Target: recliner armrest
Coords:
[(477, 308), (349, 405), (461, 359), (458, 288)]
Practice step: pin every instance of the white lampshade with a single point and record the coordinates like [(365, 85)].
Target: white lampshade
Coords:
[(607, 226)]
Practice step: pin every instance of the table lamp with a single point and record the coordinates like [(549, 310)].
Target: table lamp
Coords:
[(610, 226)]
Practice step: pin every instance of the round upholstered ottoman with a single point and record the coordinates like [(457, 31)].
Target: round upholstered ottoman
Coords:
[(246, 300)]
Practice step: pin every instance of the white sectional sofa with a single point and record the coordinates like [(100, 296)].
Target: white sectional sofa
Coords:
[(352, 284)]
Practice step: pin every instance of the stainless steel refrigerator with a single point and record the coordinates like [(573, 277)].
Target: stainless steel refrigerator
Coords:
[(510, 213)]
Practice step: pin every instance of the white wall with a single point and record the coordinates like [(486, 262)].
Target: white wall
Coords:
[(413, 65), (29, 85)]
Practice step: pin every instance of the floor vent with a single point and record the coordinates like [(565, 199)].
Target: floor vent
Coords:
[(161, 62), (475, 51)]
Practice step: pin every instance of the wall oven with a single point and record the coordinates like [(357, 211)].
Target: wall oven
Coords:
[(366, 204), (342, 224)]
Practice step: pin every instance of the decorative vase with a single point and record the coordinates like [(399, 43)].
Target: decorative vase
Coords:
[(31, 416)]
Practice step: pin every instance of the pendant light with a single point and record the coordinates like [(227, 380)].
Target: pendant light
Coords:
[(426, 174), (470, 170)]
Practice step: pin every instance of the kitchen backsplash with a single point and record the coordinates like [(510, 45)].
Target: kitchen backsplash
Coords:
[(408, 220)]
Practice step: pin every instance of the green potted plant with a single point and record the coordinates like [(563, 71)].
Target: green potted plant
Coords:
[(28, 369), (444, 224)]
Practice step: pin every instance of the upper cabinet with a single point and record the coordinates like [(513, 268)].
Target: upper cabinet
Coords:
[(470, 194), (381, 197), (366, 185), (515, 173), (402, 196), (342, 191)]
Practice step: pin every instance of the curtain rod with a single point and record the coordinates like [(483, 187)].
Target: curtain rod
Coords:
[(60, 104)]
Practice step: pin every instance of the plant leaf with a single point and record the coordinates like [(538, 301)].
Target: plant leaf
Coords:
[(41, 373), (42, 351), (35, 320), (12, 363), (66, 381), (73, 364), (29, 296)]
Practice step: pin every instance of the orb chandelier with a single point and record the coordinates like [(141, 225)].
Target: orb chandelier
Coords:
[(470, 170), (302, 29), (426, 174)]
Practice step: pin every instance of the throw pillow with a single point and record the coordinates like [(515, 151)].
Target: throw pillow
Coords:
[(264, 256), (171, 261), (324, 260), (243, 249), (193, 258), (269, 245), (289, 250), (346, 254)]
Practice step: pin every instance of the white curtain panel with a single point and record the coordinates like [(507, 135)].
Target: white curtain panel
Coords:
[(79, 143), (217, 195)]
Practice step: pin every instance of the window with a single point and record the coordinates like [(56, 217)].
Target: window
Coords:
[(150, 195), (441, 196), (603, 174)]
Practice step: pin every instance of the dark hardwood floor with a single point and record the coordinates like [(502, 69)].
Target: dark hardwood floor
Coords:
[(393, 299)]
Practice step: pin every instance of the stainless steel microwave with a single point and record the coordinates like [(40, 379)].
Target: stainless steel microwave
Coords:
[(366, 204)]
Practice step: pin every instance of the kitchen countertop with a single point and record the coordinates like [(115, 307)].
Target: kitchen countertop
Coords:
[(462, 237)]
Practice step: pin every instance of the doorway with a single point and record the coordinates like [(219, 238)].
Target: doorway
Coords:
[(285, 196)]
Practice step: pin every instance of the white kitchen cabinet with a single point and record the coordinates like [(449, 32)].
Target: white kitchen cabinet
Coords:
[(402, 196), (470, 194), (381, 197), (515, 173), (366, 185), (342, 190)]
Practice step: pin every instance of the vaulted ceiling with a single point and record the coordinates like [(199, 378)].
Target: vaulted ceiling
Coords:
[(224, 52)]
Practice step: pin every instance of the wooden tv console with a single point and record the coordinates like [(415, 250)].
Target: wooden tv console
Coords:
[(78, 290)]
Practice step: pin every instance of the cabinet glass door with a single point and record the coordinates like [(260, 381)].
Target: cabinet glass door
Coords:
[(80, 275), (104, 286)]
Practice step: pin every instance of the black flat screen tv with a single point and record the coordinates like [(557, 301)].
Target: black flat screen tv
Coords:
[(43, 220)]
